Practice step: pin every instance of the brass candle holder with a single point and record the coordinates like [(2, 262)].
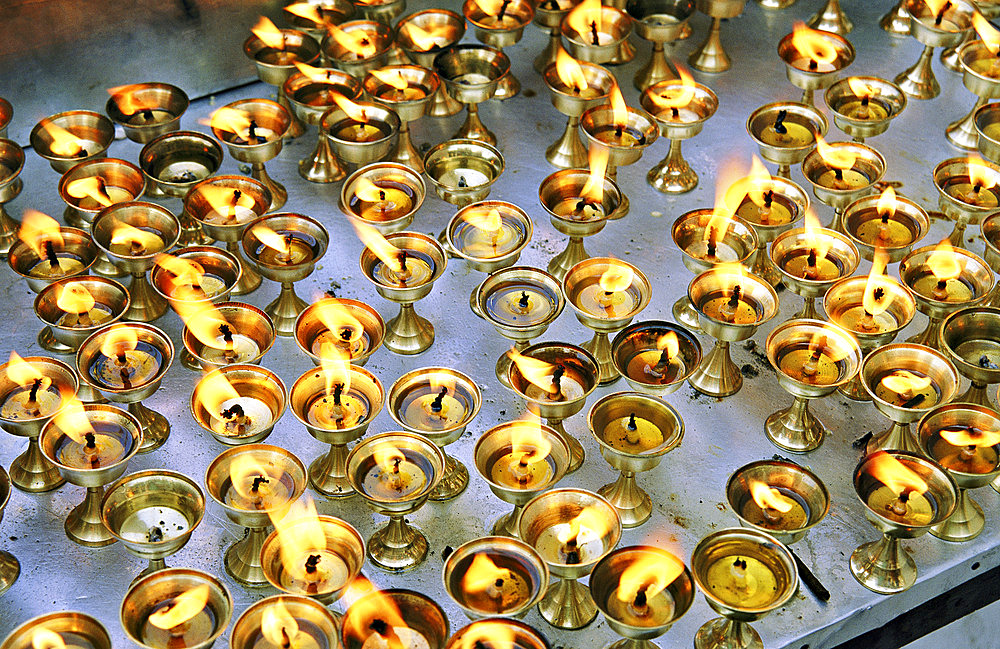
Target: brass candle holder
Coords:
[(353, 327), (384, 11), (519, 460), (45, 256), (314, 556), (360, 132), (982, 78), (723, 565), (705, 241), (500, 30), (404, 276), (661, 22), (65, 625), (274, 53), (522, 635), (65, 139), (132, 235), (89, 187), (874, 309), (710, 56), (495, 576), (146, 110), (785, 133), (840, 173), (810, 260), (208, 345), (152, 614), (358, 46), (864, 106), (463, 171), (780, 498), (549, 17), (812, 359), (10, 567), (174, 162), (336, 405), (896, 21), (471, 75), (572, 530), (989, 229), (407, 90), (239, 404), (11, 165), (681, 108), (634, 431), (624, 131), (728, 315), (153, 514), (969, 339), (597, 33), (384, 195), (252, 483), (655, 356), (573, 88), (904, 496), (489, 236), (961, 437), (284, 248), (312, 16), (311, 93), (905, 381), (520, 302), (224, 206), (126, 362), (831, 18), (888, 223), (968, 190), (813, 58), (950, 55), (944, 26), (437, 403), (253, 132), (279, 618), (943, 280), (395, 474), (34, 390), (555, 379), (72, 308), (987, 122), (641, 590), (605, 294), (400, 614), (194, 277), (578, 203), (422, 35), (91, 446)]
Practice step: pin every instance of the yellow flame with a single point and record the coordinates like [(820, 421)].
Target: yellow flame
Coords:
[(589, 525), (585, 17), (63, 143), (311, 72), (425, 40), (490, 7), (485, 219), (369, 192), (648, 574), (24, 373), (980, 174), (768, 497), (186, 274), (534, 370), (213, 390), (299, 534), (731, 186), (527, 442), (119, 340), (838, 157), (42, 638), (570, 71), (379, 245), (244, 469), (894, 474), (358, 41), (987, 32), (669, 343), (944, 262), (878, 293), (904, 382), (619, 110), (617, 277), (367, 605), (72, 421), (128, 100), (481, 574), (37, 229), (336, 368), (593, 189), (729, 275), (861, 89), (816, 236), (270, 238), (231, 120), (306, 10), (203, 320), (812, 44), (278, 626), (937, 7), (759, 182), (74, 298), (184, 607), (351, 109), (92, 187), (971, 437), (128, 235), (676, 95), (225, 200), (886, 205), (489, 634), (392, 78), (269, 34), (339, 320)]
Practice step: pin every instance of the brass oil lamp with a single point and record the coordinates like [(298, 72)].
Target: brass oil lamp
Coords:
[(779, 498), (146, 110), (60, 628), (968, 190), (65, 139), (89, 187), (393, 617), (471, 75), (72, 308), (227, 334), (10, 567), (500, 25), (574, 87), (383, 195), (840, 173), (655, 356), (813, 58), (661, 22), (933, 25), (11, 165), (785, 133), (710, 56), (968, 338), (495, 576), (352, 327), (810, 260), (173, 162), (187, 608), (422, 35), (407, 90), (864, 106)]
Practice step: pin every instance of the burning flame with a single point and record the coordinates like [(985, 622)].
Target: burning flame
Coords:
[(492, 7), (225, 200), (586, 18), (646, 577), (987, 33), (204, 321), (24, 373), (373, 612), (139, 241), (759, 182), (339, 320), (886, 205), (570, 71), (481, 574), (731, 186), (392, 78), (593, 189), (669, 343), (357, 42), (42, 638), (971, 437), (243, 472), (74, 298), (425, 40), (894, 474), (278, 626), (813, 45), (353, 110), (527, 442), (39, 229), (92, 187), (768, 497), (380, 246), (231, 120), (819, 346), (878, 296), (589, 525), (904, 382), (128, 101), (815, 237), (213, 390), (944, 262), (305, 10), (73, 422), (487, 220), (269, 34), (676, 95), (861, 89), (300, 534), (937, 7), (838, 157), (183, 607), (619, 110), (369, 192), (271, 239), (617, 277), (979, 174), (63, 143), (387, 458), (313, 73), (535, 371), (488, 634), (336, 369), (187, 276), (119, 340)]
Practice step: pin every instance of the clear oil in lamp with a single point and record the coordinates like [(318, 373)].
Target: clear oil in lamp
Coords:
[(351, 130), (569, 544), (236, 210), (62, 639), (126, 368), (908, 507), (80, 309), (561, 385), (106, 444), (742, 582), (864, 108), (642, 607), (230, 348), (526, 467), (351, 340), (729, 306), (486, 238), (843, 179), (965, 449), (55, 263), (417, 269), (136, 241), (38, 398), (954, 289), (811, 363), (430, 407), (907, 389), (963, 189), (786, 134), (594, 300), (858, 319), (579, 209), (656, 366), (305, 635), (320, 571), (518, 304), (806, 263), (395, 475), (882, 230), (713, 247), (775, 508), (258, 490), (153, 525), (337, 410), (241, 417), (492, 583), (773, 209), (385, 200), (297, 248), (620, 135), (633, 435)]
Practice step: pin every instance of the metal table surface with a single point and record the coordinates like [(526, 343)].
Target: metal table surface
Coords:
[(687, 488)]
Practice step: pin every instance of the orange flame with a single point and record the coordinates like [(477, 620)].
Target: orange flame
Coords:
[(231, 120), (370, 605), (971, 437), (204, 321), (980, 174), (669, 343), (357, 42), (527, 443), (269, 34), (306, 10), (488, 633), (245, 473), (648, 575), (128, 100), (64, 143), (225, 200), (878, 295), (74, 298), (937, 7), (768, 497), (278, 626), (300, 534), (838, 157), (589, 525), (42, 638), (987, 33), (183, 607), (861, 89), (339, 320), (380, 246), (212, 391), (894, 474), (92, 187), (425, 40), (535, 371), (353, 110), (336, 368), (944, 263), (39, 229), (586, 17), (676, 95), (72, 421), (490, 7), (812, 44), (482, 574), (24, 373), (593, 189), (619, 110), (271, 239), (904, 382), (570, 71), (392, 78), (187, 276), (487, 220), (369, 192), (118, 341), (886, 205), (617, 277), (313, 73), (731, 186), (140, 242), (759, 182)]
